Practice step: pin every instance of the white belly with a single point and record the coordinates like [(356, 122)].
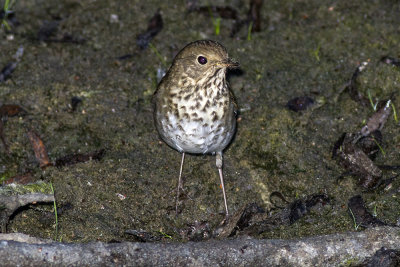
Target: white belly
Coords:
[(193, 137)]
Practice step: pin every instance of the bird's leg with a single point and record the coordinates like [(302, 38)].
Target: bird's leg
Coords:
[(179, 183), (221, 176)]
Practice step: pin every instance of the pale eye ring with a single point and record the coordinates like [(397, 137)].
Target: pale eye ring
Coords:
[(202, 60)]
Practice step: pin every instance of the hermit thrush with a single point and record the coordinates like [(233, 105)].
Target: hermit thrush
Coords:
[(195, 111)]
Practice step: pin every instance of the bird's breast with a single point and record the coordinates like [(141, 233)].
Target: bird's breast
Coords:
[(198, 123)]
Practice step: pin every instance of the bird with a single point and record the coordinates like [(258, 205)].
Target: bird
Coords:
[(194, 108)]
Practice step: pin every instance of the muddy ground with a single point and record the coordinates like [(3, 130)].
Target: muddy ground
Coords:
[(304, 48)]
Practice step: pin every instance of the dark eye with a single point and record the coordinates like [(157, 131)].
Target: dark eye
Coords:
[(202, 60)]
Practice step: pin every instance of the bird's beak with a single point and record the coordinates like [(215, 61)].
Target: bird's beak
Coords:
[(228, 63)]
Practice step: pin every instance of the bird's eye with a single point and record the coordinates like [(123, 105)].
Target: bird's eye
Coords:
[(202, 60)]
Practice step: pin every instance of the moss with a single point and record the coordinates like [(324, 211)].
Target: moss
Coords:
[(18, 189), (350, 262), (303, 49)]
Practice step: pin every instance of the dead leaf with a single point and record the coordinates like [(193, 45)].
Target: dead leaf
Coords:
[(39, 149)]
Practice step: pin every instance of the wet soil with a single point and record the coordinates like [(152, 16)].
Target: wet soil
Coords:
[(304, 48)]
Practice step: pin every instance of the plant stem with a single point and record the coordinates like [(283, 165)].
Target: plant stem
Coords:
[(55, 211), (249, 31)]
